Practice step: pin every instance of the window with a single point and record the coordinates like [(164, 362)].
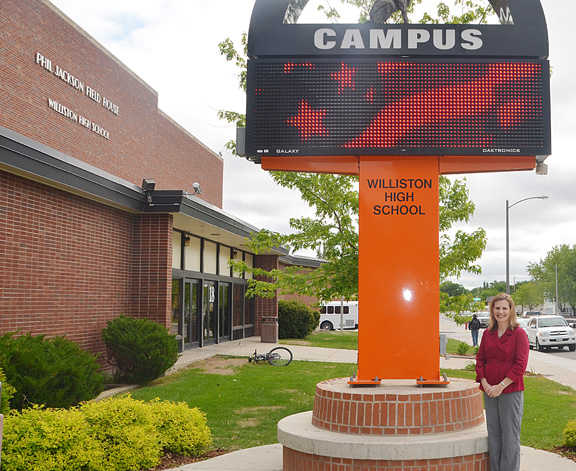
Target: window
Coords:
[(176, 250), (223, 257), (192, 253), (210, 257)]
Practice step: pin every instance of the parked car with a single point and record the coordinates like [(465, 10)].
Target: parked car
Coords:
[(545, 332), (523, 323), (484, 318), (530, 313)]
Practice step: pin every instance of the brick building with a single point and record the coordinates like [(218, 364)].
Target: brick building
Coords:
[(83, 239)]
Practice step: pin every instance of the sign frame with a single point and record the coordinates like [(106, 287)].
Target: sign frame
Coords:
[(274, 35)]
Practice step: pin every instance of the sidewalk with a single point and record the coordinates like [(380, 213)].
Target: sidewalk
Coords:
[(269, 457)]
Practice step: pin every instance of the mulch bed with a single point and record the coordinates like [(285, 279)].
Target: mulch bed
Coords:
[(565, 452), (174, 460)]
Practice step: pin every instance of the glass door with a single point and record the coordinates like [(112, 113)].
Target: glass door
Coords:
[(224, 312), (191, 314), (209, 312)]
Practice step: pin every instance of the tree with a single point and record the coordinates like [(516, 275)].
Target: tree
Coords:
[(529, 295), (472, 11), (451, 288), (333, 231), (459, 307), (559, 266)]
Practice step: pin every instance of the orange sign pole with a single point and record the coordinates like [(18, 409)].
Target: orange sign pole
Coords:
[(399, 276), (398, 270)]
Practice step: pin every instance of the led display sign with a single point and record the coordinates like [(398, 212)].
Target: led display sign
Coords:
[(398, 107), (385, 89)]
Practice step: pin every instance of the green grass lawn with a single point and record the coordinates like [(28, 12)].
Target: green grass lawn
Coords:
[(348, 340), (243, 408), (452, 347), (244, 401), (548, 406)]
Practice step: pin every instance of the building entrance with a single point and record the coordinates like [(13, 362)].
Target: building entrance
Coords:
[(203, 310), (191, 314), (224, 312), (209, 312)]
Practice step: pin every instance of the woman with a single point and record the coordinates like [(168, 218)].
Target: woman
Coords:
[(500, 365)]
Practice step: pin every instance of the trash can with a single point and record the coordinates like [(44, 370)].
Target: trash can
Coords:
[(443, 342), (269, 333)]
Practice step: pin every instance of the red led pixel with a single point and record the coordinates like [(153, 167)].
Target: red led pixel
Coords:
[(308, 121), (399, 107), (345, 77), (442, 104)]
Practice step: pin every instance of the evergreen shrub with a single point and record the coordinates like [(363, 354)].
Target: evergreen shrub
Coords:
[(38, 439), (296, 320), (116, 434), (182, 429), (140, 349), (125, 429), (570, 434), (54, 372), (7, 394)]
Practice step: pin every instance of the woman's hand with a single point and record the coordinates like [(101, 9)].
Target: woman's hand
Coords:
[(496, 390), (492, 390)]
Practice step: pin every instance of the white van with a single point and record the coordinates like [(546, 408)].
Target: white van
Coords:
[(331, 318)]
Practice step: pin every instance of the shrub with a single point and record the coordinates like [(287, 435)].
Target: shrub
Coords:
[(38, 439), (570, 434), (7, 394), (54, 372), (182, 430), (296, 320), (462, 348), (140, 349), (116, 434), (125, 429)]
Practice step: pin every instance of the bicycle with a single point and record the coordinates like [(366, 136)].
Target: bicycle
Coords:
[(279, 356)]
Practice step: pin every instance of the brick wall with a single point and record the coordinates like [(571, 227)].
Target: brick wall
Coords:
[(151, 292), (67, 264), (308, 300), (295, 460), (143, 142)]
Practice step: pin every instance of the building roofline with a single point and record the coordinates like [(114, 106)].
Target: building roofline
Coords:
[(27, 158), (302, 261)]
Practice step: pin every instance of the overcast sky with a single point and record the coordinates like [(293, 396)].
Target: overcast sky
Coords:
[(173, 46)]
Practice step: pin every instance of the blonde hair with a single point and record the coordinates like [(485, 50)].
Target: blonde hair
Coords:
[(512, 320)]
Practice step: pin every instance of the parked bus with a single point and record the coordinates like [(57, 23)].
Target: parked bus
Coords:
[(332, 316)]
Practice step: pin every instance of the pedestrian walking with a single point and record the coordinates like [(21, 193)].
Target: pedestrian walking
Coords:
[(474, 327), (500, 365)]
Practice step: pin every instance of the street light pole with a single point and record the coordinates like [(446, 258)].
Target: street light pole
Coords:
[(556, 301), (508, 206)]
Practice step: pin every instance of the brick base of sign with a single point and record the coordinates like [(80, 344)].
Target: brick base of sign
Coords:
[(294, 460), (397, 409), (395, 426)]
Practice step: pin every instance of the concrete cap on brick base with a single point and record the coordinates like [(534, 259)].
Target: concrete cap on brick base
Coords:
[(297, 433)]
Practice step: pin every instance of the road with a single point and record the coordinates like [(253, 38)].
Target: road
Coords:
[(449, 327)]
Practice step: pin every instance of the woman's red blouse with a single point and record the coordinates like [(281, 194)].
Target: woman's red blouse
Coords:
[(503, 357)]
